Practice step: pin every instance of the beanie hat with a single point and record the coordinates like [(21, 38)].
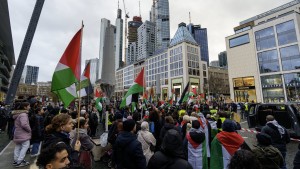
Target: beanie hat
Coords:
[(118, 116), (128, 125), (263, 139), (195, 124), (229, 126)]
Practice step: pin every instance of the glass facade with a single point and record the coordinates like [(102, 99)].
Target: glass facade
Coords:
[(162, 24), (244, 89), (286, 33), (292, 86), (268, 61), (193, 61), (239, 40), (290, 57), (272, 88), (265, 39), (176, 63), (157, 65)]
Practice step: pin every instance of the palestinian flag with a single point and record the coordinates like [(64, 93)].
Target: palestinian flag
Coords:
[(199, 153), (184, 95), (99, 104), (194, 90), (85, 86), (223, 146), (133, 93), (67, 71)]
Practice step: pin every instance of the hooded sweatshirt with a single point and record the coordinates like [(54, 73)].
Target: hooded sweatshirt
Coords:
[(22, 127)]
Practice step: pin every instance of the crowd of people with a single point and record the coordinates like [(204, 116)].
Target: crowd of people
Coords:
[(153, 136)]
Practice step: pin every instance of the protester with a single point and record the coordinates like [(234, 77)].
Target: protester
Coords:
[(169, 124), (195, 147), (171, 155), (269, 156), (59, 129), (54, 157), (280, 136), (93, 121), (225, 144), (147, 140), (37, 131), (185, 120), (85, 156), (128, 153), (22, 133), (243, 159)]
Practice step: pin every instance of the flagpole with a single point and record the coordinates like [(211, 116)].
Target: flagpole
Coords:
[(79, 99), (143, 95)]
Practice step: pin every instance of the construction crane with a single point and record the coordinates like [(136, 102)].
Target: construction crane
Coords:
[(126, 16)]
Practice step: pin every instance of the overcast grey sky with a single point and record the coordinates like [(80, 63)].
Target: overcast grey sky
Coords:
[(61, 19)]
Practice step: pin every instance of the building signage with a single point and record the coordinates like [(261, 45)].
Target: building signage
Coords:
[(292, 84), (272, 86), (244, 87)]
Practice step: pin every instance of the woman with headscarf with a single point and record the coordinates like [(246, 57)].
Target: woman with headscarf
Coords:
[(147, 140)]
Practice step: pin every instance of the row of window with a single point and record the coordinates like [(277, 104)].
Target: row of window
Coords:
[(269, 60), (175, 58), (193, 57), (193, 64), (176, 51), (157, 64), (194, 72), (157, 70), (191, 49), (176, 65), (177, 72)]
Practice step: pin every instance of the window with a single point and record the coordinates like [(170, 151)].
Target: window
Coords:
[(265, 39), (292, 85), (272, 88), (290, 57), (239, 41), (286, 33), (268, 61), (204, 66)]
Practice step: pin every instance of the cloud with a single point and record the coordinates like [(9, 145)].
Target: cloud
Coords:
[(60, 20)]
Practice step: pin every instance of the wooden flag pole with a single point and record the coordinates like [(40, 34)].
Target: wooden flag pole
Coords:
[(79, 98)]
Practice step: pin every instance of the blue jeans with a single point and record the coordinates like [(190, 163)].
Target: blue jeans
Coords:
[(35, 148), (283, 153)]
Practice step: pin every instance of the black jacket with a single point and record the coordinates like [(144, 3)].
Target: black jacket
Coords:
[(56, 137), (164, 130), (278, 141), (297, 159), (128, 153), (171, 155)]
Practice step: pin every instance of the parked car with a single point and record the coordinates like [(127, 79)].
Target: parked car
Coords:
[(287, 115)]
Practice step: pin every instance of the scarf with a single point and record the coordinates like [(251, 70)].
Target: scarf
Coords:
[(279, 127)]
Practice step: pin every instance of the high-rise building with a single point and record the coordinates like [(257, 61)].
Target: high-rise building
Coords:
[(107, 52), (30, 75), (264, 56), (223, 59), (200, 35), (119, 40), (7, 55), (146, 40), (162, 23), (133, 25), (94, 69)]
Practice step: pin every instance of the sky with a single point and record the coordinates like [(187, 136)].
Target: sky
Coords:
[(61, 19)]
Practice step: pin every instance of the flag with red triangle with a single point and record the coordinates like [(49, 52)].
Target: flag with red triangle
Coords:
[(67, 71), (133, 92)]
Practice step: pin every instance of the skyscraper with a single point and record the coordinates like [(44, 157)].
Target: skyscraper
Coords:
[(94, 69), (146, 40), (30, 75), (200, 35), (107, 52), (162, 24), (119, 40), (223, 59), (132, 39)]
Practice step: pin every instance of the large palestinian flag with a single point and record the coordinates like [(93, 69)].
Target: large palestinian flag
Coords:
[(185, 94), (133, 93), (223, 146), (199, 152), (67, 71)]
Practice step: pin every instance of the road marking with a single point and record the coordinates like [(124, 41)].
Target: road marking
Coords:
[(243, 122), (5, 148)]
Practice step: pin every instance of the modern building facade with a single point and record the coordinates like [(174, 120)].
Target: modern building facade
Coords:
[(218, 82), (94, 70), (132, 52), (223, 59), (264, 57), (119, 40), (214, 63), (162, 22), (172, 68), (146, 40), (7, 55), (30, 75), (200, 35), (107, 52)]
